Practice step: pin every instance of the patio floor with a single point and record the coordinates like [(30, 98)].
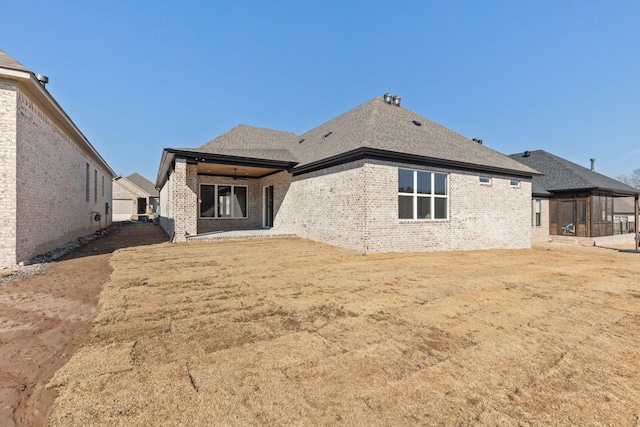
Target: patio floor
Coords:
[(240, 234)]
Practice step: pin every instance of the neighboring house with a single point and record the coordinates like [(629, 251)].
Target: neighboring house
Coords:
[(54, 185), (134, 197), (376, 178), (576, 201)]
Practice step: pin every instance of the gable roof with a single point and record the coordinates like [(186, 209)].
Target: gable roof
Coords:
[(8, 62), (562, 175), (143, 183)]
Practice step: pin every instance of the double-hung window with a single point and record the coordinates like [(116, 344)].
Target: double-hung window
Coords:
[(422, 195), (223, 201)]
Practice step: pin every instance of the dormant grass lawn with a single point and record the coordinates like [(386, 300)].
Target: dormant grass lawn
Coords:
[(281, 332)]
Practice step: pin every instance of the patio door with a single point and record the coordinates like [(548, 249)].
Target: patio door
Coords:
[(268, 207)]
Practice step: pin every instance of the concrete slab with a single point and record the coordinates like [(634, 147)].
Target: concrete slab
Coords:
[(240, 234)]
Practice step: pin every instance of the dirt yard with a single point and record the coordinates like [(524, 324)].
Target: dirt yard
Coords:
[(289, 332), (46, 315)]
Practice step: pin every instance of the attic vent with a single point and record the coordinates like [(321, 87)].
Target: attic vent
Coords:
[(526, 154), (417, 123), (392, 100), (42, 79), (479, 141), (300, 142), (326, 135)]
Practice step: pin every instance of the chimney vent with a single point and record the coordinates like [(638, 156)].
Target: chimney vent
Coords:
[(387, 98), (42, 79), (593, 162), (527, 154), (396, 101)]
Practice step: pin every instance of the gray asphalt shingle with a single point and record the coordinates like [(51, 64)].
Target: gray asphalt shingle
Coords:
[(8, 62), (561, 174), (374, 125)]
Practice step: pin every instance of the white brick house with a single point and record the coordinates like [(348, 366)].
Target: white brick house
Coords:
[(53, 182), (134, 197), (377, 178)]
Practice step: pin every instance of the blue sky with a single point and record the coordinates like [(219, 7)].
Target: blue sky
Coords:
[(139, 76)]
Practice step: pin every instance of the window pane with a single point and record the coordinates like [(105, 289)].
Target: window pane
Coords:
[(224, 201), (440, 184), (405, 207), (424, 207), (405, 181), (441, 208), (206, 197), (240, 202), (424, 182)]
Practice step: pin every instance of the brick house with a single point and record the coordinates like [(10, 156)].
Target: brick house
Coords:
[(572, 202), (134, 197), (378, 178), (53, 183)]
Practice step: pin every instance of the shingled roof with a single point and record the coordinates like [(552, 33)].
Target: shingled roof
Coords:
[(384, 129), (374, 129), (143, 183), (252, 142), (562, 175), (8, 62)]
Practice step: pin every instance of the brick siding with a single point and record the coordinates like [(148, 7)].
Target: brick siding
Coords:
[(49, 181), (355, 205)]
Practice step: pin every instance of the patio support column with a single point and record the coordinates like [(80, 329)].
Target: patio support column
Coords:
[(185, 200)]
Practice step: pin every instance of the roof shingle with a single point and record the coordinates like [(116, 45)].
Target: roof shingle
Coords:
[(8, 62), (561, 174)]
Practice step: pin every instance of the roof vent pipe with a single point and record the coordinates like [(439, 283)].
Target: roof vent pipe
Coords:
[(396, 101), (42, 79), (593, 162), (387, 98), (527, 154)]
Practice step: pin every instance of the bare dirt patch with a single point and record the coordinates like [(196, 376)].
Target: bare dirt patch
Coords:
[(47, 313), (291, 332)]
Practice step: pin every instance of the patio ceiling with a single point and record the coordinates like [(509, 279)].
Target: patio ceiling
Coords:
[(233, 170)]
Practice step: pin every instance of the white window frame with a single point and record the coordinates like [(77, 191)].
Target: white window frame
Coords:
[(514, 183), (484, 180), (415, 195), (216, 198)]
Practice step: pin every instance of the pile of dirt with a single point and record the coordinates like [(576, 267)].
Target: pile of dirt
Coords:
[(46, 311), (291, 332)]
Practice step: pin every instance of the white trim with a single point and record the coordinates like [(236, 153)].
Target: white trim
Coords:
[(486, 182)]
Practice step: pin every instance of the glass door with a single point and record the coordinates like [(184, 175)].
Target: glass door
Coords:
[(268, 207)]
